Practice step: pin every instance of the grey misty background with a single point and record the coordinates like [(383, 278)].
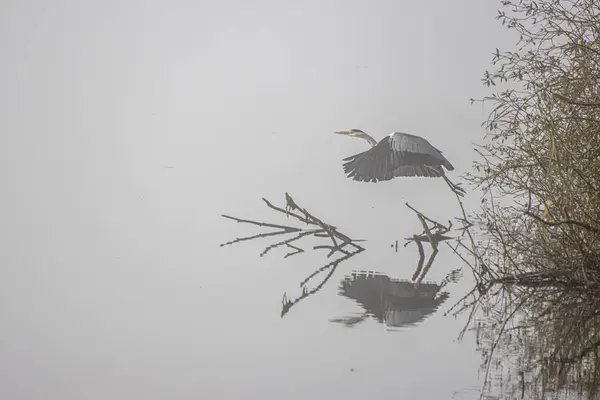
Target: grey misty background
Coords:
[(129, 127)]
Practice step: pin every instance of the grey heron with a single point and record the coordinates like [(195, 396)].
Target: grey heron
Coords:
[(398, 154)]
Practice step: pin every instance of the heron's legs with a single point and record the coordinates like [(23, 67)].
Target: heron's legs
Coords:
[(455, 188)]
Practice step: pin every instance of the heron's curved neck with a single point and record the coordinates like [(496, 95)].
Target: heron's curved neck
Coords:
[(369, 139)]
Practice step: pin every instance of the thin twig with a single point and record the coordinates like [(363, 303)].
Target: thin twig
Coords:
[(563, 222), (247, 221), (260, 235)]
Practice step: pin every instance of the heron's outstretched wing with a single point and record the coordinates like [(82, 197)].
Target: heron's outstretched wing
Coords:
[(396, 156), (375, 164), (430, 171), (418, 149)]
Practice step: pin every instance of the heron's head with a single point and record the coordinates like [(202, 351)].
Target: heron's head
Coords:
[(352, 132), (360, 134)]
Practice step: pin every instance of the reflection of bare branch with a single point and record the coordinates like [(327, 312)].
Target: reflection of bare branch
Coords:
[(298, 250), (287, 242), (428, 265), (331, 248), (421, 257), (332, 266)]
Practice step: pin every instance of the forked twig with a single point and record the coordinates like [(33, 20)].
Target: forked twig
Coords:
[(433, 235), (339, 242)]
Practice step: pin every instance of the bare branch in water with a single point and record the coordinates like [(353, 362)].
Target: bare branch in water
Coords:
[(433, 235), (338, 243), (282, 230)]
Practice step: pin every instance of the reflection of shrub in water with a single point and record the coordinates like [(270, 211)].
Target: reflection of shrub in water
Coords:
[(549, 345)]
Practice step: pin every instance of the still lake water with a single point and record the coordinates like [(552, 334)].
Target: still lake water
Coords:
[(130, 128), (306, 354)]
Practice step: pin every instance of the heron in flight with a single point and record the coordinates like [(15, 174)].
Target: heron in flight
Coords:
[(398, 154)]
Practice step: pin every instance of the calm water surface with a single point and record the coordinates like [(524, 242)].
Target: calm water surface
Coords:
[(130, 127)]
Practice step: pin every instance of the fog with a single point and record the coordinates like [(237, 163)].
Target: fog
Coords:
[(128, 128)]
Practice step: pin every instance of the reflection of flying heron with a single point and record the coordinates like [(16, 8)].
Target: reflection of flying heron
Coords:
[(398, 154), (393, 302)]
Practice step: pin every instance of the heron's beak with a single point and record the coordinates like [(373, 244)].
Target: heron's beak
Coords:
[(342, 133)]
